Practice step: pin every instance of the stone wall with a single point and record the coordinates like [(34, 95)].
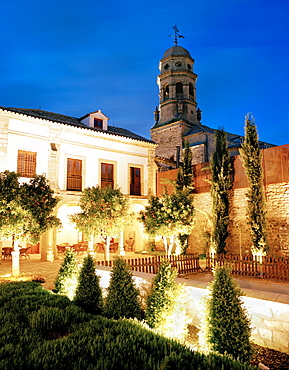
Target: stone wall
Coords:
[(276, 186), (269, 311), (239, 240), (169, 137)]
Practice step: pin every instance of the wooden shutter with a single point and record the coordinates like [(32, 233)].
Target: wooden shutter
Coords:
[(26, 163), (74, 174), (106, 175), (135, 183)]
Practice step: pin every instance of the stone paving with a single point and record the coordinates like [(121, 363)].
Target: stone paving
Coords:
[(48, 270)]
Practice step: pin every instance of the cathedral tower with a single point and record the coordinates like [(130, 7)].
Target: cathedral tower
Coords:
[(177, 111), (177, 86)]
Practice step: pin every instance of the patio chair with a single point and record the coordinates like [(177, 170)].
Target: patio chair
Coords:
[(7, 253), (129, 245), (24, 253), (61, 249)]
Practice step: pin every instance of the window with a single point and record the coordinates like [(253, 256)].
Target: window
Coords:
[(166, 92), (74, 174), (98, 123), (179, 88), (106, 175), (135, 184), (26, 163), (191, 90)]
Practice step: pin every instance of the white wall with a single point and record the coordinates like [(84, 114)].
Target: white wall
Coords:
[(269, 311)]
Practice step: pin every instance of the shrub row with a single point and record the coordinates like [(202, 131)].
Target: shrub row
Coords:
[(41, 330)]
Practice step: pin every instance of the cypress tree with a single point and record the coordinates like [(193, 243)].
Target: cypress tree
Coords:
[(88, 293), (66, 280), (226, 327), (251, 156), (221, 185), (123, 297), (185, 181), (166, 304), (185, 176)]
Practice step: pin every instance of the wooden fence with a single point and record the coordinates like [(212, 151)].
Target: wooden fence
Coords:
[(185, 264), (255, 266)]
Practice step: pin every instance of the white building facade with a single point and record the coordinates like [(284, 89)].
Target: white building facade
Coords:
[(74, 154)]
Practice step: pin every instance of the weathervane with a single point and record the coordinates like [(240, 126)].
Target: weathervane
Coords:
[(177, 35)]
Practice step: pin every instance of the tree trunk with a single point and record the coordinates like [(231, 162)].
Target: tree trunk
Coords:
[(178, 247), (15, 258), (120, 243), (90, 245), (165, 243), (106, 249), (172, 239)]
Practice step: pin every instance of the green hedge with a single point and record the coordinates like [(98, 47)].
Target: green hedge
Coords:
[(65, 337)]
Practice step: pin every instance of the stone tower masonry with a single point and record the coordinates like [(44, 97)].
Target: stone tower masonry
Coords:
[(177, 111)]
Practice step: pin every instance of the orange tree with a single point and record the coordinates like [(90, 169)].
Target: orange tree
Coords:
[(168, 216), (105, 212), (25, 211)]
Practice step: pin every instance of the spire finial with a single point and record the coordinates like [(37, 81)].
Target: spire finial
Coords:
[(177, 35)]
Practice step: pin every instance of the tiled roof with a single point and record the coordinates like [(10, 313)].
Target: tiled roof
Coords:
[(234, 140), (72, 121)]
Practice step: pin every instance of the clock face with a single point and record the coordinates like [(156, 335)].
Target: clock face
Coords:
[(178, 64)]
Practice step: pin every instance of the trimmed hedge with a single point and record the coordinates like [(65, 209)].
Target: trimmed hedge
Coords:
[(65, 337)]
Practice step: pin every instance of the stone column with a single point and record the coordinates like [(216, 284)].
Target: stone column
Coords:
[(49, 247), (91, 245), (120, 243), (15, 259)]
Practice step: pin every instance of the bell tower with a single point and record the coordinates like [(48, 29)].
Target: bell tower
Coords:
[(177, 112), (177, 87)]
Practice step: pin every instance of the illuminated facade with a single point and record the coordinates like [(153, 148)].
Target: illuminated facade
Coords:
[(74, 154)]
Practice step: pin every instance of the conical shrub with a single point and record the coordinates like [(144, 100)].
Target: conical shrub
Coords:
[(166, 304), (66, 280), (226, 327), (88, 293), (123, 297)]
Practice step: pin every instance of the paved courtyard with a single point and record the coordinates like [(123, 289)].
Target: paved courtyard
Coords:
[(49, 271)]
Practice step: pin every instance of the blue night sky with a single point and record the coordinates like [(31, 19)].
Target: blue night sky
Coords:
[(75, 57)]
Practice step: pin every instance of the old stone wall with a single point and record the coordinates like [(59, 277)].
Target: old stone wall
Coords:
[(168, 138), (239, 240), (276, 187)]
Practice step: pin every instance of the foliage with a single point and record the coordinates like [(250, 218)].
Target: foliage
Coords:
[(54, 322), (185, 181), (13, 218), (66, 280), (185, 177), (226, 328), (183, 240), (104, 212), (26, 209), (200, 361), (166, 304), (168, 216), (123, 297), (221, 185), (37, 198), (85, 341), (88, 293), (251, 156)]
